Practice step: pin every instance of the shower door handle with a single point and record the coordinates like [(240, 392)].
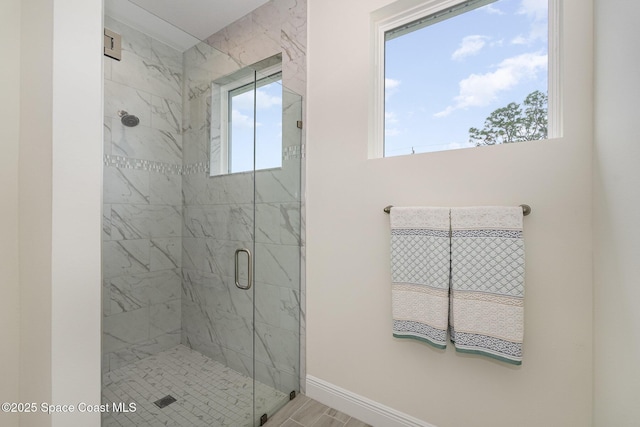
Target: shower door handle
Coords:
[(249, 268)]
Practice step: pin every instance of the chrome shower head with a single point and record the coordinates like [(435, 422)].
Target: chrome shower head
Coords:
[(128, 119)]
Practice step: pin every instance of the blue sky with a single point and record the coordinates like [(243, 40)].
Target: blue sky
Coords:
[(268, 129), (447, 77)]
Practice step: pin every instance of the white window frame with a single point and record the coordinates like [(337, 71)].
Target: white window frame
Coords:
[(403, 12), (224, 111)]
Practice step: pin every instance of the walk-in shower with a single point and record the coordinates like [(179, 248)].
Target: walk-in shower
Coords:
[(202, 222)]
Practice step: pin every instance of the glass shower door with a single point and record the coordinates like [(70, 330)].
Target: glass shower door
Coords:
[(264, 150), (255, 174), (234, 237), (277, 252)]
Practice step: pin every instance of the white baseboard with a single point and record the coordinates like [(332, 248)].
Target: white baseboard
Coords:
[(359, 407)]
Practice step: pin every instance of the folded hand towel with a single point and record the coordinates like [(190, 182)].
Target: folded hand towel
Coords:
[(420, 273), (487, 282)]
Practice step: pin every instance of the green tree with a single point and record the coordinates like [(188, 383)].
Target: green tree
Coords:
[(514, 123)]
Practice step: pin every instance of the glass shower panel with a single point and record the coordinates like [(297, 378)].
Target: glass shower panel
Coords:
[(277, 258), (201, 258), (218, 312), (255, 111)]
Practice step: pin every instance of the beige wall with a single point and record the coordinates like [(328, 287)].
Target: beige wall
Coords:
[(349, 338), (349, 306), (9, 135), (616, 212), (60, 187), (35, 206)]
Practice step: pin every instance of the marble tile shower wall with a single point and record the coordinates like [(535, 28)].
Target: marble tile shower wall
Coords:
[(142, 223), (218, 212)]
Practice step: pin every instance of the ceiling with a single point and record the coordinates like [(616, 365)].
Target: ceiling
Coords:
[(180, 23)]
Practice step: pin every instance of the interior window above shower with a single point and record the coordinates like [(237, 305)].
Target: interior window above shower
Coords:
[(246, 121), (451, 74)]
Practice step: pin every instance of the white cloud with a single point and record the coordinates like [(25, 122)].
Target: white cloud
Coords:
[(263, 100), (392, 132), (470, 45), (519, 40), (244, 101), (536, 9), (479, 90), (444, 113), (390, 118), (391, 83), (390, 121), (390, 86), (537, 31), (537, 12), (491, 9), (242, 120)]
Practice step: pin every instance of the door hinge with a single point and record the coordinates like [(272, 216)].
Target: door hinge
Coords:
[(112, 44)]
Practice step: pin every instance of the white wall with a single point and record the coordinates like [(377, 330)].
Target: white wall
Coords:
[(616, 213), (9, 135), (60, 201), (76, 207), (349, 338)]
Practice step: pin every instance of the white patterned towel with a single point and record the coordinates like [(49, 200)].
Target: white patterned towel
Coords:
[(420, 273), (487, 282)]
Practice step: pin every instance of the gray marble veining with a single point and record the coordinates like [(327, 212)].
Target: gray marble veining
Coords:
[(125, 329), (166, 115), (144, 142), (142, 215), (125, 185), (218, 214), (134, 291), (107, 135), (129, 221), (170, 230), (279, 185), (132, 40), (156, 78), (118, 97), (195, 145), (277, 347), (125, 257), (165, 318), (106, 222), (165, 189), (278, 264), (141, 350), (165, 253)]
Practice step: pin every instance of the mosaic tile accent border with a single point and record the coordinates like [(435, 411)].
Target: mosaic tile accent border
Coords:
[(288, 153), (293, 152), (140, 164), (194, 168)]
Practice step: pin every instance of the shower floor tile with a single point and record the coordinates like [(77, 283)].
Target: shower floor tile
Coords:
[(207, 393)]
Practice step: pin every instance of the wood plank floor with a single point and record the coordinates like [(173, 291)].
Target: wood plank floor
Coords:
[(306, 412)]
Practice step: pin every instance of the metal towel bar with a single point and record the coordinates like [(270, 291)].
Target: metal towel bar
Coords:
[(526, 209)]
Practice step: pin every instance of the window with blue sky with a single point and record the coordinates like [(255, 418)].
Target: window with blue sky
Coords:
[(447, 77), (267, 99)]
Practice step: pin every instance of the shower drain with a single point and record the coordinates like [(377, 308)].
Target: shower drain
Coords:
[(165, 401)]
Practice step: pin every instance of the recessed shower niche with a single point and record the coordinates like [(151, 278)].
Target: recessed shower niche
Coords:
[(202, 241)]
